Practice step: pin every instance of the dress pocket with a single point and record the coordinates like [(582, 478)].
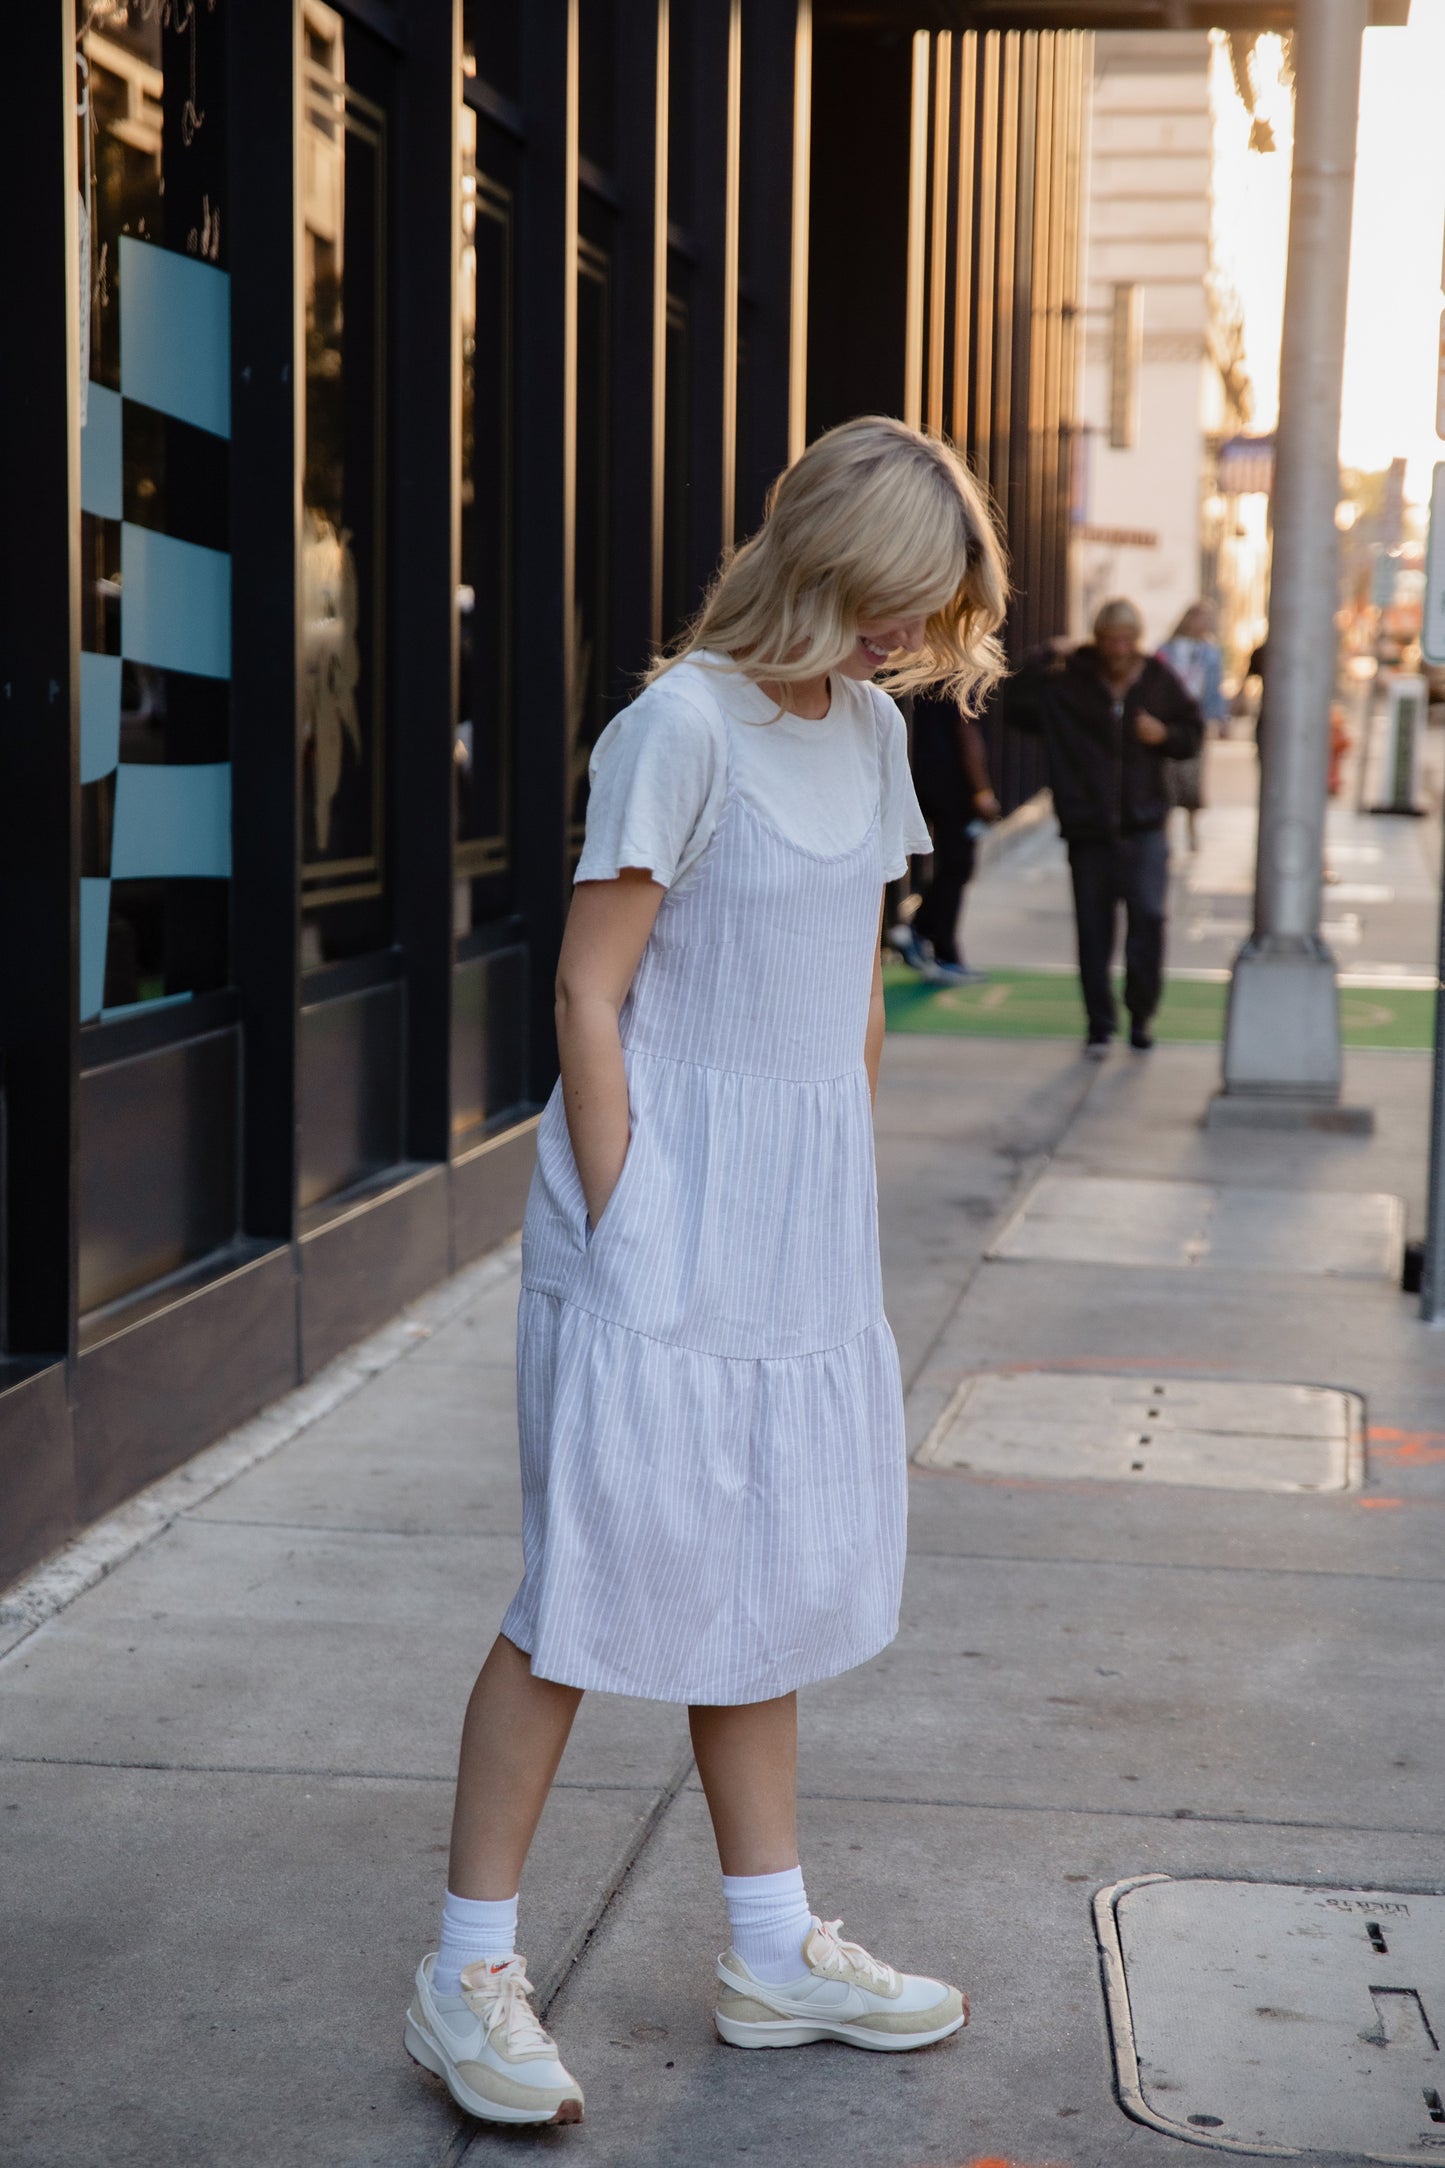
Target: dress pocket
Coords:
[(557, 1199), (592, 1235)]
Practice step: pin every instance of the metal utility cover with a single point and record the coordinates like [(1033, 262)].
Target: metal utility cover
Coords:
[(1261, 2017), (1215, 1433), (1097, 1220)]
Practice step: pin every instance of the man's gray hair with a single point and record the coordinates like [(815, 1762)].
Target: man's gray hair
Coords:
[(1116, 614)]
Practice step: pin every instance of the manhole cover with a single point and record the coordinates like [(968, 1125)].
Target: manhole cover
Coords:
[(1213, 1432), (1094, 1219), (1265, 2018)]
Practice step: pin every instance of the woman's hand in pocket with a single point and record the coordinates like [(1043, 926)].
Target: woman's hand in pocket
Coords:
[(607, 930), (597, 1212)]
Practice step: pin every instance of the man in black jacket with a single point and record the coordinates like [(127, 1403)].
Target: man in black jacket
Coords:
[(1110, 716)]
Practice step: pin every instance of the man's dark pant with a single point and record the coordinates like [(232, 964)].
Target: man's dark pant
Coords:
[(936, 919), (1132, 870)]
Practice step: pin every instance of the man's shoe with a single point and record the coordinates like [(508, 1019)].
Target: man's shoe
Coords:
[(489, 2046), (941, 974), (1141, 1038), (842, 1994), (918, 955), (1096, 1046)]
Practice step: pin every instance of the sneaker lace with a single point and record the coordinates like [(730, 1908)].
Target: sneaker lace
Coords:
[(831, 1954), (501, 1999)]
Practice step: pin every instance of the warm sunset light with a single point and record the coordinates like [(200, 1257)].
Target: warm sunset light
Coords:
[(1395, 256), (1395, 260)]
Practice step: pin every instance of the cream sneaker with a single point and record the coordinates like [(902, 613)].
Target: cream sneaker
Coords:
[(843, 1994), (489, 2046)]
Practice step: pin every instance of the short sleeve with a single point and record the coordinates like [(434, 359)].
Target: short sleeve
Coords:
[(904, 830), (658, 773)]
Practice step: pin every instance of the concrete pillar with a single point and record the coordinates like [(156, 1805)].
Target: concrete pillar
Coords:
[(1282, 1040)]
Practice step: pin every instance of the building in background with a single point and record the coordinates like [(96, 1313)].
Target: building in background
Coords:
[(1162, 381), (1252, 103)]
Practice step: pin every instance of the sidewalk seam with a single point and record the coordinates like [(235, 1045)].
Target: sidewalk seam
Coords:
[(1178, 1817), (460, 2141), (117, 1536), (304, 1773)]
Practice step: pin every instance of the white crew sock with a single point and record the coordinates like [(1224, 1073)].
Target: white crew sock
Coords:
[(769, 1918), (472, 1928)]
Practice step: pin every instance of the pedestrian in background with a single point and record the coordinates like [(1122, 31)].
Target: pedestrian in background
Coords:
[(1192, 653), (950, 774), (1254, 673), (1110, 716), (711, 1414)]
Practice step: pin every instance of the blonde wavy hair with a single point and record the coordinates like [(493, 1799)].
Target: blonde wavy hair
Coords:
[(875, 521)]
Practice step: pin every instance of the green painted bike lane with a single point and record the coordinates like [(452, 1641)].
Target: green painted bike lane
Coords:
[(1046, 1005)]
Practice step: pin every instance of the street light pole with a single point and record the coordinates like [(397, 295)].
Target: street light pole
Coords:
[(1282, 1038)]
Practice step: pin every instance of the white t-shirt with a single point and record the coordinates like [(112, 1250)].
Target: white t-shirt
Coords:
[(659, 774)]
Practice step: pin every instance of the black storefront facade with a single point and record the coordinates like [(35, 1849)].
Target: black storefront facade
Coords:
[(379, 383)]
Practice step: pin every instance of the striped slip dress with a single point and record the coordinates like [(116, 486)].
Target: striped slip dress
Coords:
[(710, 1407)]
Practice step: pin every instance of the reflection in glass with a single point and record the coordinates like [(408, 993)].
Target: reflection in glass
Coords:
[(342, 537), (482, 752)]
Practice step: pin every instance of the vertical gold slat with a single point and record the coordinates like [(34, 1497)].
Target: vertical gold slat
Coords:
[(1081, 66), (917, 235), (659, 319), (570, 679), (987, 246), (732, 201), (1008, 175), (1041, 312), (798, 289), (1056, 407), (963, 232), (938, 229)]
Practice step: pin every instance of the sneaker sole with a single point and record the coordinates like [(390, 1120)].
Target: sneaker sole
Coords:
[(794, 2033), (421, 2050)]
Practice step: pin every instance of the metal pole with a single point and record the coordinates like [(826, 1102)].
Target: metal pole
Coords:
[(1432, 1279), (1282, 1040)]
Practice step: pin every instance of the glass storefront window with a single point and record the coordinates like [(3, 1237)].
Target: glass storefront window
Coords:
[(155, 471), (676, 600), (590, 706), (485, 719), (492, 44), (343, 545), (597, 59)]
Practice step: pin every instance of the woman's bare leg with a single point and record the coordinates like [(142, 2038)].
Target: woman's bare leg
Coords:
[(516, 1728), (747, 1758)]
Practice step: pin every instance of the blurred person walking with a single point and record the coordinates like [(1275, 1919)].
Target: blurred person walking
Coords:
[(1192, 653), (709, 1401), (1254, 674), (950, 774), (1110, 716)]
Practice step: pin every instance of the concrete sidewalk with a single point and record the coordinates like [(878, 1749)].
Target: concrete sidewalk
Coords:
[(225, 1768)]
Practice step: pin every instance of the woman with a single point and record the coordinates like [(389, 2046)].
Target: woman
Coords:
[(710, 1406), (1192, 653)]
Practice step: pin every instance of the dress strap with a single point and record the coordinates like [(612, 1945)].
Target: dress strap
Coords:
[(876, 705)]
